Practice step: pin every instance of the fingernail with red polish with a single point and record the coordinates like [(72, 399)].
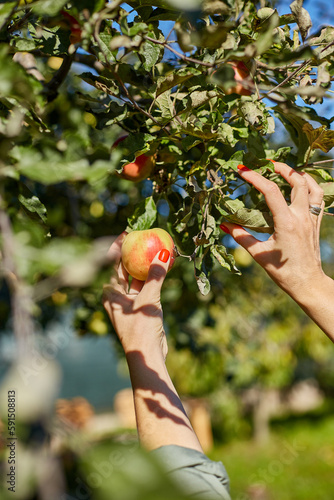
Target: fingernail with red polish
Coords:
[(224, 228), (164, 255), (243, 168), (273, 161)]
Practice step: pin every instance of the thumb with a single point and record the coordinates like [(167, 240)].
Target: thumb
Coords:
[(243, 238), (156, 276)]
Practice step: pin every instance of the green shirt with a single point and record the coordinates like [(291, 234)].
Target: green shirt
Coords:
[(197, 475)]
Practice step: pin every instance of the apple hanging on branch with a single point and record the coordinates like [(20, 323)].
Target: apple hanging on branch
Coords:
[(244, 84), (140, 247), (139, 169)]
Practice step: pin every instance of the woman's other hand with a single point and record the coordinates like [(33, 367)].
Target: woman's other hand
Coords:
[(135, 309)]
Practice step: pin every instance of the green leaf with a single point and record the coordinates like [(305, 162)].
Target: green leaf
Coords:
[(151, 52), (8, 171), (34, 167), (163, 14), (52, 40), (134, 145), (165, 104), (137, 28), (215, 7), (225, 259), (225, 134), (328, 188), (23, 44), (190, 142), (187, 5), (203, 283), (48, 7), (210, 226), (106, 38), (210, 37), (200, 97), (174, 79), (5, 12), (319, 138), (102, 83), (250, 218), (302, 17), (256, 114), (294, 125), (33, 204), (116, 113), (144, 216)]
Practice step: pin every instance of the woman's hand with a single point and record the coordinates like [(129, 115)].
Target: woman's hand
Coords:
[(291, 256), (136, 313), (135, 310)]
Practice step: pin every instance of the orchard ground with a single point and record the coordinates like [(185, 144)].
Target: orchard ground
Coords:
[(297, 460)]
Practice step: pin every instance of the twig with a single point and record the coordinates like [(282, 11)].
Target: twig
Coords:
[(136, 106), (89, 60), (170, 32), (301, 67), (288, 78), (181, 56), (28, 62), (19, 22), (118, 78), (7, 17), (321, 162), (51, 88)]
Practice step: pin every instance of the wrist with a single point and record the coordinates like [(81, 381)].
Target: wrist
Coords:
[(309, 289), (150, 355)]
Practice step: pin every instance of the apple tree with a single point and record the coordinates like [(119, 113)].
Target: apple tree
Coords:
[(199, 91)]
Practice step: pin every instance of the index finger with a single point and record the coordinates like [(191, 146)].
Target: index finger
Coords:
[(114, 252), (273, 196), (119, 278)]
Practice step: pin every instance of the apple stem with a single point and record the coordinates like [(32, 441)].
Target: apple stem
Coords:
[(189, 257)]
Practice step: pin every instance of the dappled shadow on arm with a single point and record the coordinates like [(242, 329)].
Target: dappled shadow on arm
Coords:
[(268, 258), (147, 379)]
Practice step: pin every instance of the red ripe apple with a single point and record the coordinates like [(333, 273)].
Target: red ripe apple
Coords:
[(140, 247), (74, 26), (244, 83), (140, 169)]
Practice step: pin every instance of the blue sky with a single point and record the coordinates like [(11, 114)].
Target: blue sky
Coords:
[(321, 12)]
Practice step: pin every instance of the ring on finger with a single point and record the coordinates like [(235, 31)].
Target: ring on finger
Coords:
[(315, 209)]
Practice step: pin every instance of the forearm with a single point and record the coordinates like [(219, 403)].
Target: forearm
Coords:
[(161, 418), (317, 300)]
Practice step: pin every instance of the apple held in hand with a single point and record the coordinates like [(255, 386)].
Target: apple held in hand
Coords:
[(138, 170), (140, 247)]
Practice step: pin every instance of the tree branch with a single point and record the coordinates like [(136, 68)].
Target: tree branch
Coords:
[(294, 73), (181, 56), (20, 296), (51, 88), (321, 162), (20, 22), (28, 62)]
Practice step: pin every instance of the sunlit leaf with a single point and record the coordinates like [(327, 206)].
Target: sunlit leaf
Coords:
[(319, 138), (302, 17), (33, 204), (144, 216)]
